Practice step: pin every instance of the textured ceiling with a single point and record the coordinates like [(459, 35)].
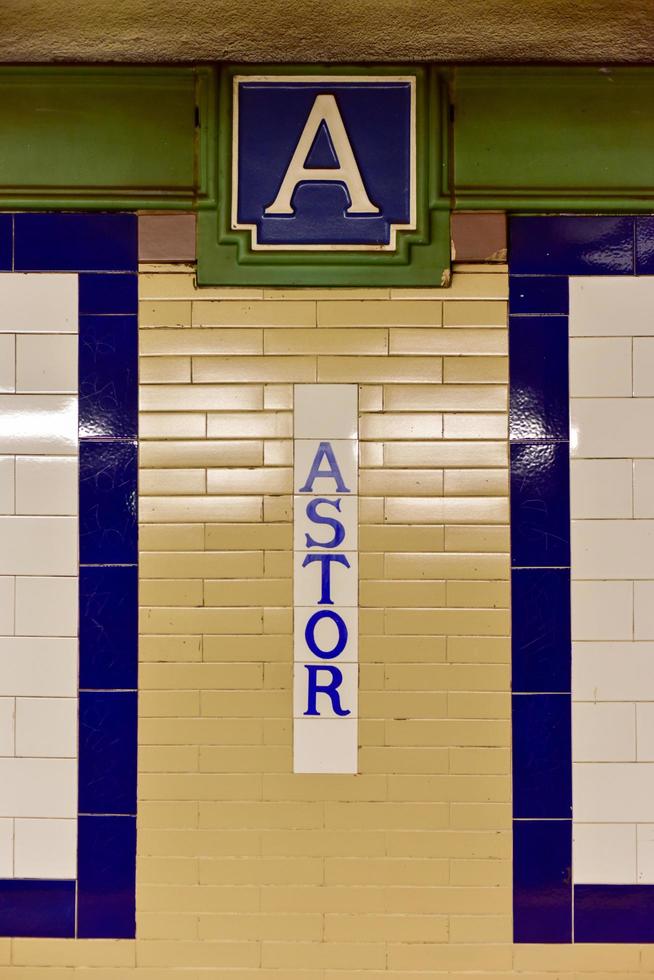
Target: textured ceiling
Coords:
[(553, 31)]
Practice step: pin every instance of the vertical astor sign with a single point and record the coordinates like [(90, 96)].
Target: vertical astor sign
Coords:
[(324, 163), (326, 578)]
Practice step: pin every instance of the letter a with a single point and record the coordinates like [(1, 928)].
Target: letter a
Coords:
[(324, 110)]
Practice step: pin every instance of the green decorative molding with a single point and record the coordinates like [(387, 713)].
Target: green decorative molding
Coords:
[(105, 137), (225, 255), (552, 139)]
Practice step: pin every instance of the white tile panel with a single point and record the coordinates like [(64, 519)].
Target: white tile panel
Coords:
[(613, 549), (38, 787), (644, 610), (645, 731), (46, 363), (603, 732), (611, 306), (602, 610), (47, 606), (601, 488), (604, 853), (326, 633), (645, 852), (324, 745), (325, 411), (7, 707), (643, 480), (600, 366), (7, 362), (643, 356), (7, 605), (340, 676), (59, 473), (613, 792), (612, 428), (6, 848), (612, 671), (38, 666), (39, 302), (46, 727), (38, 546), (7, 484), (38, 424), (345, 512), (45, 848)]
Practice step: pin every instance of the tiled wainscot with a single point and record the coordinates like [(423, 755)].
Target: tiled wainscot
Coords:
[(582, 428), (68, 586)]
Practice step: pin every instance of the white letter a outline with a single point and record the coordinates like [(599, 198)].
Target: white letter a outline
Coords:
[(324, 110)]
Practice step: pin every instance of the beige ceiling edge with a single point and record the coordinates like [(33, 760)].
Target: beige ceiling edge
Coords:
[(150, 31)]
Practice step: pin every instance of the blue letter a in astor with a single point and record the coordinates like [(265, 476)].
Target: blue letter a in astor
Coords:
[(324, 162)]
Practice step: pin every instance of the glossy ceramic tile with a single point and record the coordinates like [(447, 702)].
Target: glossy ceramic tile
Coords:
[(43, 303), (540, 514), (614, 913), (604, 854), (600, 367), (538, 358), (325, 411), (45, 848), (602, 610), (542, 881), (44, 600), (602, 488), (611, 427), (318, 741), (538, 294), (46, 363), (611, 307), (645, 853), (541, 782), (603, 732), (540, 630), (572, 245)]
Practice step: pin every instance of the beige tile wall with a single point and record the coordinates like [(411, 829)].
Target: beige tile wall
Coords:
[(245, 871)]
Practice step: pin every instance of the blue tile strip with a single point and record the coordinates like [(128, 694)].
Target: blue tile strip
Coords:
[(544, 252), (103, 249)]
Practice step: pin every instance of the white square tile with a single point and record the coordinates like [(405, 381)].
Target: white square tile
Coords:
[(38, 301), (38, 666), (603, 732), (600, 367), (643, 488), (38, 546), (46, 363), (604, 853), (7, 605), (325, 525), (45, 848), (38, 424), (331, 686), (602, 610), (38, 787), (612, 671), (645, 853), (6, 848), (336, 458), (643, 365), (326, 579), (7, 707), (325, 411), (7, 483), (611, 427), (46, 727), (644, 610), (613, 792), (601, 488), (611, 306), (325, 745), (60, 474), (7, 362), (645, 731), (46, 606), (612, 549), (327, 633)]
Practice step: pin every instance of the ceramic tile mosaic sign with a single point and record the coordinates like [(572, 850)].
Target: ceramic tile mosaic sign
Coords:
[(325, 578), (68, 585), (582, 459)]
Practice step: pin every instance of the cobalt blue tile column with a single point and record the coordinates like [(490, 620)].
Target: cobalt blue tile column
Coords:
[(100, 903), (544, 252)]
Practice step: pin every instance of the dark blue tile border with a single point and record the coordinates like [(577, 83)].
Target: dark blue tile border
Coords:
[(103, 247), (544, 252)]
